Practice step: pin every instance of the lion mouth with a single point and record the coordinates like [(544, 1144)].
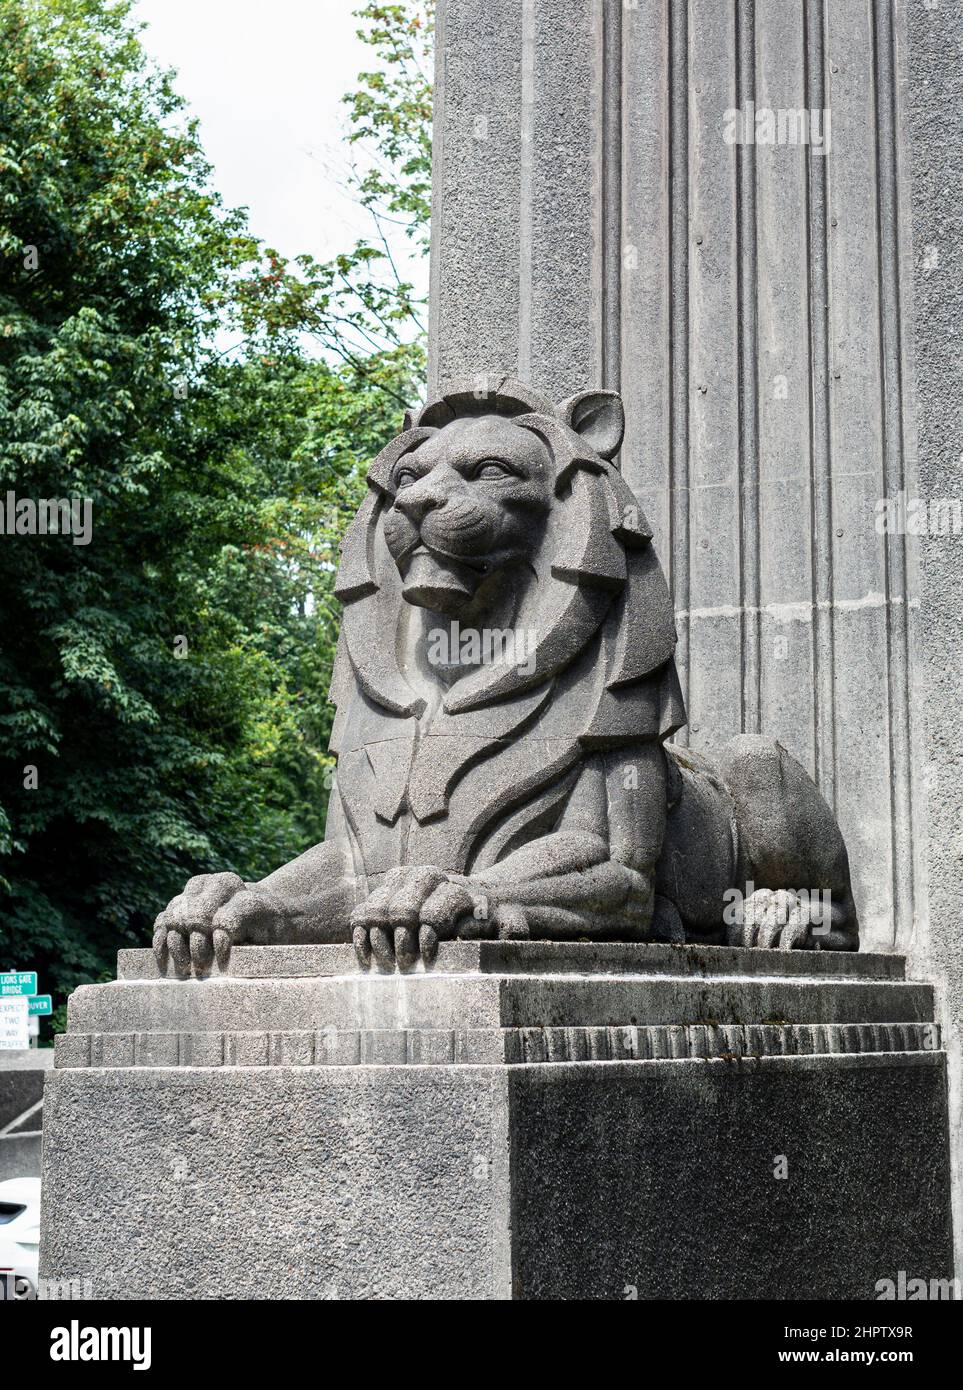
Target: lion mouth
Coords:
[(478, 564), (436, 572), (440, 583)]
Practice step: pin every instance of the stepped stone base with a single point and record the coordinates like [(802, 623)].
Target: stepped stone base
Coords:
[(525, 1120)]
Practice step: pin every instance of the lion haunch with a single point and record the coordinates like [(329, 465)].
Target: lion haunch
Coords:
[(505, 687)]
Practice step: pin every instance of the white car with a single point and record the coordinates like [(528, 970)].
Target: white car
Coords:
[(19, 1237)]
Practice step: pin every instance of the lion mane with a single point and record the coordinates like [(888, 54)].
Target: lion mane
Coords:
[(492, 765)]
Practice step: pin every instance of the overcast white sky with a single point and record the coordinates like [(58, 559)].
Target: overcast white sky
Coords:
[(266, 78)]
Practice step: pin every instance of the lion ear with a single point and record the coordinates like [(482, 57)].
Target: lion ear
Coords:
[(598, 416)]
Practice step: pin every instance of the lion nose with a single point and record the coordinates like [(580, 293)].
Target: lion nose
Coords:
[(418, 500)]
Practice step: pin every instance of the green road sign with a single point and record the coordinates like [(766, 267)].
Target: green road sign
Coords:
[(39, 1004), (18, 982)]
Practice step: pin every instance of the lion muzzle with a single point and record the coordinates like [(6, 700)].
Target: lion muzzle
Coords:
[(438, 550), (441, 584)]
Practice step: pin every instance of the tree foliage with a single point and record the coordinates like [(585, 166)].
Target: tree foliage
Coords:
[(360, 303), (163, 690)]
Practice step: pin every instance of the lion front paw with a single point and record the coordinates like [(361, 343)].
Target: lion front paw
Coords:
[(774, 919), (214, 913), (401, 923)]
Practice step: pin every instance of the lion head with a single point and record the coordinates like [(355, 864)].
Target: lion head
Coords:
[(469, 512), (496, 507)]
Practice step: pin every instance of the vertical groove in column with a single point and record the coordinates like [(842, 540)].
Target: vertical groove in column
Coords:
[(817, 233), (909, 426), (747, 373), (525, 267), (679, 299), (894, 471), (611, 184)]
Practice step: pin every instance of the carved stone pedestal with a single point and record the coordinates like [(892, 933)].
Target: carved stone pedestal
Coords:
[(526, 1120)]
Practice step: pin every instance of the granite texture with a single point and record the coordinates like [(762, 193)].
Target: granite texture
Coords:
[(434, 1001), (931, 100), (557, 1181), (525, 1119), (352, 1047), (535, 957), (277, 1183), (659, 1182)]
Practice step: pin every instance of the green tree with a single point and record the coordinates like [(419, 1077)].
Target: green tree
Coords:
[(360, 304), (163, 689)]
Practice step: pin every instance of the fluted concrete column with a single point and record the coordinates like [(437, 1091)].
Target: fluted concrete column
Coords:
[(595, 223)]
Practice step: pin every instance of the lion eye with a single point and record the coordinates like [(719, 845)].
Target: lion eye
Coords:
[(491, 468), (405, 478)]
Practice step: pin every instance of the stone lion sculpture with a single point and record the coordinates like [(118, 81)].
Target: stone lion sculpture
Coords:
[(505, 686)]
